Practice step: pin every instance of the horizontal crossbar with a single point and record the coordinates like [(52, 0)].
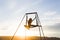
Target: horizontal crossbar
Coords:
[(31, 13)]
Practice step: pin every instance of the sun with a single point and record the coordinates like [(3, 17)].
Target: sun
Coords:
[(25, 32)]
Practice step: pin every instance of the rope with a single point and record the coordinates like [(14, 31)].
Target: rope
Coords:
[(17, 28)]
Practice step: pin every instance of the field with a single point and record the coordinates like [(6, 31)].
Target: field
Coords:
[(28, 38)]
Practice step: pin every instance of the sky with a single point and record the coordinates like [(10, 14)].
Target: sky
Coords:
[(12, 11)]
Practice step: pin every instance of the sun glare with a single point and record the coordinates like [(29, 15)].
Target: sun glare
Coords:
[(25, 32)]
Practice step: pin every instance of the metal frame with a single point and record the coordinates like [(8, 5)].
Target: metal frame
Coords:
[(37, 23)]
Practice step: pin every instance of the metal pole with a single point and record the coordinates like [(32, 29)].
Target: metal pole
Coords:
[(17, 28), (41, 28), (43, 34), (26, 24), (40, 34)]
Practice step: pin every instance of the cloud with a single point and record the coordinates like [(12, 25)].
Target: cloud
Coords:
[(11, 4), (55, 27), (52, 30), (49, 18), (49, 13), (4, 28)]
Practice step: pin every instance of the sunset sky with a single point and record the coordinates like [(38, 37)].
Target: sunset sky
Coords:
[(12, 11)]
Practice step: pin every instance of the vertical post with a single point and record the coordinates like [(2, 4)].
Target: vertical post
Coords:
[(43, 34), (26, 19), (36, 19), (41, 30), (37, 23), (40, 34), (26, 24)]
